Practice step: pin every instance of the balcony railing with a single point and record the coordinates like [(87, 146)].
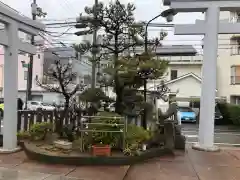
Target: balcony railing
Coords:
[(184, 59), (234, 19), (235, 80), (235, 50)]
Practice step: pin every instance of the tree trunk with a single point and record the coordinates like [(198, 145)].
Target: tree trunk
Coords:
[(119, 99), (118, 88), (63, 116)]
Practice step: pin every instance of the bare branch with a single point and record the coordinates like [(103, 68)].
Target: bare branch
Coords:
[(63, 77)]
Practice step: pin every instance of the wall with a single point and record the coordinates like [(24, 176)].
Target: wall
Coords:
[(22, 82), (184, 69), (186, 87), (224, 73)]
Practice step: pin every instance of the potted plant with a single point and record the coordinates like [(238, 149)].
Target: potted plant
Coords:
[(101, 145)]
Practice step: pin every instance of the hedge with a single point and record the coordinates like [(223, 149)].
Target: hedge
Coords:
[(234, 114), (230, 113)]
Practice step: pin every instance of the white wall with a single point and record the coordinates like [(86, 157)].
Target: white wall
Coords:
[(37, 71), (186, 87), (224, 86), (184, 69)]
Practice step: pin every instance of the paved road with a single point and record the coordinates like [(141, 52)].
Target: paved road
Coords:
[(224, 135)]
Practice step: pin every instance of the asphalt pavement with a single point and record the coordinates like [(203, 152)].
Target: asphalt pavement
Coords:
[(223, 135)]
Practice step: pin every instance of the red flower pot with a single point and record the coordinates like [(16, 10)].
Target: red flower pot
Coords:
[(101, 150)]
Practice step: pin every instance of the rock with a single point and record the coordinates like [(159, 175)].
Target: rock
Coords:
[(169, 134), (180, 141), (61, 144)]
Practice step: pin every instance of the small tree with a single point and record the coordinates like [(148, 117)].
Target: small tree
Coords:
[(118, 21), (62, 81), (131, 74)]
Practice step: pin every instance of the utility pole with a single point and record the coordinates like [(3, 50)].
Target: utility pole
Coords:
[(94, 50), (30, 65), (36, 11)]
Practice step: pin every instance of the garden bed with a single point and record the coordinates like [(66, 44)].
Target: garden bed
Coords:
[(47, 153)]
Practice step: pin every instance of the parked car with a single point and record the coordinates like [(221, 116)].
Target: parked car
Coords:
[(35, 105), (196, 107), (186, 114)]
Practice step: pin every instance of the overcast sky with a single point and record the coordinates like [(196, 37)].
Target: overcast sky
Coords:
[(146, 10)]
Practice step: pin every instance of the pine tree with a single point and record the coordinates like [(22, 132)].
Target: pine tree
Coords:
[(131, 74), (117, 21)]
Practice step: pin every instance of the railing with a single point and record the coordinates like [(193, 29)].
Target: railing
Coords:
[(235, 50), (235, 80), (92, 125), (191, 59), (234, 19)]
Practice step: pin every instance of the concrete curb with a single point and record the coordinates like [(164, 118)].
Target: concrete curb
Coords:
[(219, 144)]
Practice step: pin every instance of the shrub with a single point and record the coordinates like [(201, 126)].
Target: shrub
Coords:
[(23, 135), (106, 121), (136, 134), (39, 131), (134, 138), (234, 114), (224, 109)]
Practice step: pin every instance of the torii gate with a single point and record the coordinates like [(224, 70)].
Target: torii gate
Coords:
[(12, 45), (210, 28)]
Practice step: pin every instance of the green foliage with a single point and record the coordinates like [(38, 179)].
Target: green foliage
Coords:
[(135, 137), (132, 69), (115, 19), (224, 109), (93, 95), (132, 150), (23, 135), (136, 134), (38, 131), (131, 74), (105, 121), (234, 113)]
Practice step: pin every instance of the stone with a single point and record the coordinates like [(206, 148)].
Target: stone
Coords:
[(9, 151), (180, 141), (169, 134), (199, 147), (61, 144)]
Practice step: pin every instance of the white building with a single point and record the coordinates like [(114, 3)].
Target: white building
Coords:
[(228, 70), (184, 73)]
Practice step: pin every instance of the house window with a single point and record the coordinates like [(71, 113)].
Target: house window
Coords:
[(235, 17), (235, 45), (235, 100), (173, 74), (235, 75), (25, 75)]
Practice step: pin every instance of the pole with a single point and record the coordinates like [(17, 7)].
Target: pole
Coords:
[(30, 66), (94, 51), (10, 88), (207, 106)]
